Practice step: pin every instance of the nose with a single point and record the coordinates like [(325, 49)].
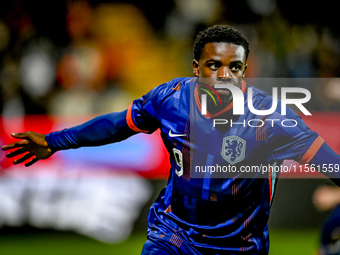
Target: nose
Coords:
[(224, 73)]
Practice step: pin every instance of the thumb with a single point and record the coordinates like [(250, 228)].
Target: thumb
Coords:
[(19, 135)]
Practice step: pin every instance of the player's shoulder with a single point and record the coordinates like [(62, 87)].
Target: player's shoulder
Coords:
[(169, 88), (260, 98), (176, 84), (264, 101)]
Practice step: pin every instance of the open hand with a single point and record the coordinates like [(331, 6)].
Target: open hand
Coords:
[(32, 147)]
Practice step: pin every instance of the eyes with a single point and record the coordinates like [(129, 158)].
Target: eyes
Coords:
[(214, 66), (234, 67)]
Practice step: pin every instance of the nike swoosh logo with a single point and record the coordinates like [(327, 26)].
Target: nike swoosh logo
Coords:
[(175, 135)]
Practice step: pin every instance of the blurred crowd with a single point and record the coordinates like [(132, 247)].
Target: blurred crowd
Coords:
[(74, 57)]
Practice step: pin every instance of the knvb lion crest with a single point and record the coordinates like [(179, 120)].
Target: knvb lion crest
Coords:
[(233, 149)]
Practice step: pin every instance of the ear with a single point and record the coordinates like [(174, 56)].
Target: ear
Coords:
[(244, 71), (196, 67)]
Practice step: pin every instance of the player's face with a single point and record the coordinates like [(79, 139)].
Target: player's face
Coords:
[(221, 63)]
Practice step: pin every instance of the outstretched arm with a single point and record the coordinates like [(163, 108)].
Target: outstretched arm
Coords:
[(105, 129)]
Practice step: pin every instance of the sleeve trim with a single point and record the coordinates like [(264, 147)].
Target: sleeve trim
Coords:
[(313, 149), (130, 122)]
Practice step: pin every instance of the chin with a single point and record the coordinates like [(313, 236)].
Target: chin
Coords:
[(226, 98)]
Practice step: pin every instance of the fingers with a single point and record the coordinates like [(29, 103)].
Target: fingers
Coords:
[(20, 135), (33, 147), (16, 152), (23, 158), (26, 157), (15, 145), (20, 143), (32, 161)]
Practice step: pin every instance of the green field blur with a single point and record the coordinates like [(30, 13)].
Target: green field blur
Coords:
[(42, 242)]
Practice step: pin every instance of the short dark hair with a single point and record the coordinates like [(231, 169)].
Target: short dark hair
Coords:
[(216, 34)]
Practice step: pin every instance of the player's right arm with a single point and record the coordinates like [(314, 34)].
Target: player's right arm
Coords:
[(104, 129)]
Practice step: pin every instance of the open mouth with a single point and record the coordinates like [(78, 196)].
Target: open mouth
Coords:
[(223, 91)]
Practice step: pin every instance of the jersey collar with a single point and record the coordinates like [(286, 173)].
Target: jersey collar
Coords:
[(227, 108)]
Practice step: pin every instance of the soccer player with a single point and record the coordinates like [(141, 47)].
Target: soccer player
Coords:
[(330, 234), (197, 213), (328, 198)]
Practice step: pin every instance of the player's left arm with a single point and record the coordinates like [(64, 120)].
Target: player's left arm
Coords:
[(301, 144), (328, 161)]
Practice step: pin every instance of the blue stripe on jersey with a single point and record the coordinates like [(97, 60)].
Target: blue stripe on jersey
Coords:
[(233, 131), (206, 180)]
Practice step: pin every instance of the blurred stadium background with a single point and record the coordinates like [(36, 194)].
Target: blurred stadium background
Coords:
[(64, 61)]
